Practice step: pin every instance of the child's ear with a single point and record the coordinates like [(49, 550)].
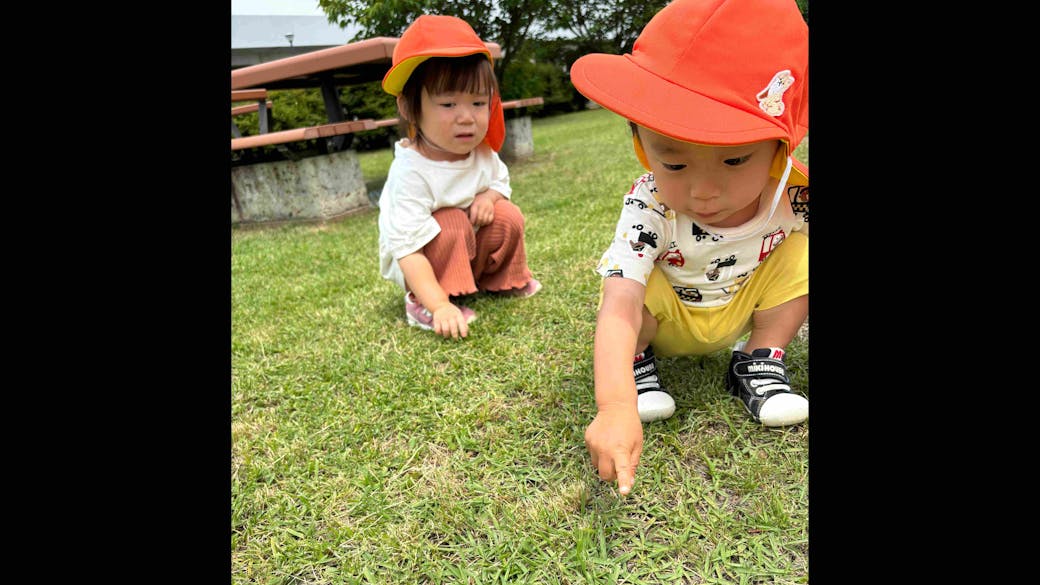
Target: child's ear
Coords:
[(402, 112), (640, 153), (402, 107)]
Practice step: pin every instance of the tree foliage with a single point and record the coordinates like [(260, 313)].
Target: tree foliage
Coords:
[(607, 26), (506, 22)]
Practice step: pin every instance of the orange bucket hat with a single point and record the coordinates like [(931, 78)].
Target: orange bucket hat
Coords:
[(441, 36), (718, 72)]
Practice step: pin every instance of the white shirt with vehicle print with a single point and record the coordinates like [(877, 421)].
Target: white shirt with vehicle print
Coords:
[(705, 265)]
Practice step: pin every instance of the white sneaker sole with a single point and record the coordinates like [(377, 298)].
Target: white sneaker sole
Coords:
[(784, 409), (655, 405)]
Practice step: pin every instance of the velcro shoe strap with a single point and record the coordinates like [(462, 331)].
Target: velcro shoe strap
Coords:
[(767, 368)]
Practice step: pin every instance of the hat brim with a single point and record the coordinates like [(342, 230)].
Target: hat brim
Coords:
[(397, 76), (799, 173), (619, 84)]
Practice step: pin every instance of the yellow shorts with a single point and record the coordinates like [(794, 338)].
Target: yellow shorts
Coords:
[(683, 330)]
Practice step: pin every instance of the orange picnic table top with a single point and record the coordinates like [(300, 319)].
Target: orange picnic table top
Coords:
[(348, 64)]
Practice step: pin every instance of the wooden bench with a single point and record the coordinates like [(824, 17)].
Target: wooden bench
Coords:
[(248, 95), (519, 141), (522, 103), (300, 134), (260, 107), (249, 108), (510, 105), (335, 129)]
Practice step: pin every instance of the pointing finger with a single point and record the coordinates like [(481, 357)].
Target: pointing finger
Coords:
[(625, 472)]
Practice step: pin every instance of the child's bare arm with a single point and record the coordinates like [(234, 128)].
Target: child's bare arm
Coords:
[(448, 320), (614, 438)]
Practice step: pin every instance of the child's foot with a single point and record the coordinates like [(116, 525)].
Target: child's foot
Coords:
[(418, 316), (653, 401), (760, 381), (528, 290)]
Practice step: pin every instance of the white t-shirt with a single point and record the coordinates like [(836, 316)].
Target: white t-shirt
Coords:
[(706, 266), (417, 186)]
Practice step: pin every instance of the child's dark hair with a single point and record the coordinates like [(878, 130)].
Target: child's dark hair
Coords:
[(470, 74)]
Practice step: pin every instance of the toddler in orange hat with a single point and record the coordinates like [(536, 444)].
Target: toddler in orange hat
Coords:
[(447, 225), (711, 250)]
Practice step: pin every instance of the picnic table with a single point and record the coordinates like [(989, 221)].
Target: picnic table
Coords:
[(349, 64), (331, 185), (328, 69)]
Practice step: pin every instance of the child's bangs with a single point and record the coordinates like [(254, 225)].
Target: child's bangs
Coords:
[(470, 74)]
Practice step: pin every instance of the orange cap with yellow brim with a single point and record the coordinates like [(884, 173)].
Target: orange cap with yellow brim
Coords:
[(434, 35)]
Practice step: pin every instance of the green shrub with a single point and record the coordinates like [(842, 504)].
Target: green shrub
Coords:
[(527, 78)]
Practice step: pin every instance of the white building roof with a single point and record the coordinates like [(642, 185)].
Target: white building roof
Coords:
[(250, 31)]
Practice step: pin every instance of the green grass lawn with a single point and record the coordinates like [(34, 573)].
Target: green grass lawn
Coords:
[(367, 451)]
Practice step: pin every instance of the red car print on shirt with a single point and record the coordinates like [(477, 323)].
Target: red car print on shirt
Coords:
[(770, 242), (674, 257)]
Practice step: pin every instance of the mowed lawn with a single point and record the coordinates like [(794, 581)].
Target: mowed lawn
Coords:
[(368, 451)]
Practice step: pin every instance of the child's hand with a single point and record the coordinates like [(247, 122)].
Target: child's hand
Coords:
[(448, 321), (482, 210), (615, 441)]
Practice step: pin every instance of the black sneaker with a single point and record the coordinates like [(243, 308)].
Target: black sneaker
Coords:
[(653, 401), (761, 383)]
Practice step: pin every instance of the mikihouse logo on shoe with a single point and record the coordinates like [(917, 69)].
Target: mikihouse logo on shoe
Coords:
[(763, 377), (759, 367), (644, 369)]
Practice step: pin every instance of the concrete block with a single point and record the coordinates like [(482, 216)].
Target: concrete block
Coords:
[(519, 142), (313, 188)]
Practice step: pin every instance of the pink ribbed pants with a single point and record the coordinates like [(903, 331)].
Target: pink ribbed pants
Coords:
[(492, 259)]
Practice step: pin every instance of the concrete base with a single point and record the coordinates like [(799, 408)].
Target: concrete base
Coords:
[(314, 188), (519, 142)]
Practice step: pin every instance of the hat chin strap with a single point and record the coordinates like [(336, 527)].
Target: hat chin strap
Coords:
[(779, 189), (751, 231), (640, 153)]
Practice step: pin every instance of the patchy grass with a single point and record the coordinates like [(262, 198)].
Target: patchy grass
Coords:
[(367, 451)]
